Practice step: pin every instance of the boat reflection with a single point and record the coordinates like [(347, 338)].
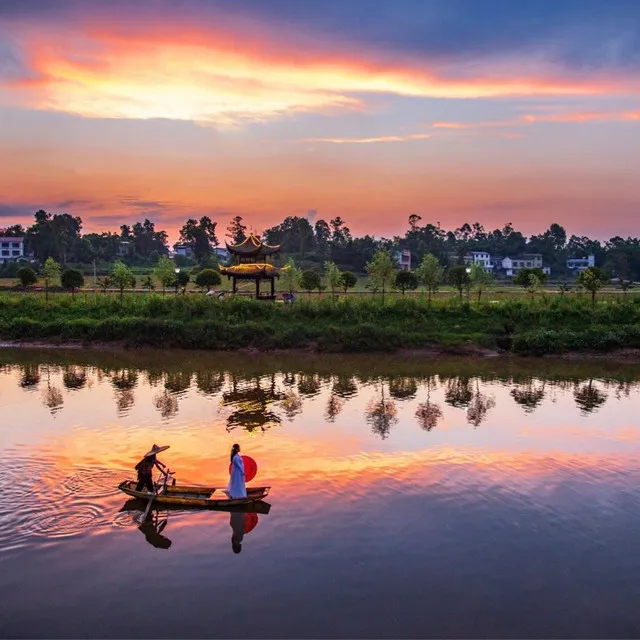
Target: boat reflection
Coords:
[(243, 519)]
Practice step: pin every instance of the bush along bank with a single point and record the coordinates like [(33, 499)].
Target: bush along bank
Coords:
[(526, 327)]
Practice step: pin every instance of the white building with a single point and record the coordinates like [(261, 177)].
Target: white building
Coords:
[(404, 259), (182, 250), (580, 264), (479, 257), (511, 266), (11, 249)]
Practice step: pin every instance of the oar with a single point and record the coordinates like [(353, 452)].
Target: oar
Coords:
[(154, 495)]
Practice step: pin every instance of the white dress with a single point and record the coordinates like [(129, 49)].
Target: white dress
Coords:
[(237, 487)]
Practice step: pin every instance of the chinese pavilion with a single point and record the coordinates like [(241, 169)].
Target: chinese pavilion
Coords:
[(251, 257)]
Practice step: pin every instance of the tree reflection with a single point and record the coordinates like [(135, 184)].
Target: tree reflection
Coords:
[(458, 392), (74, 377), (167, 404), (428, 413), (309, 385), (210, 382), (291, 404), (30, 376), (381, 414), (334, 407), (479, 407), (403, 388), (345, 387), (53, 399), (528, 395), (124, 401), (177, 382), (589, 398), (123, 379)]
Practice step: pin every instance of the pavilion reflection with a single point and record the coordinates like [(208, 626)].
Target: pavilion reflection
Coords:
[(253, 403)]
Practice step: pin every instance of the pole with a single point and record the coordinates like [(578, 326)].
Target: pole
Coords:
[(95, 277)]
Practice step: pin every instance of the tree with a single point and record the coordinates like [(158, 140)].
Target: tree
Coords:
[(323, 237), (165, 272), (148, 284), (27, 276), (146, 240), (480, 278), (406, 281), (50, 273), (534, 284), (334, 276), (430, 273), (523, 277), (625, 285), (121, 276), (290, 276), (459, 278), (592, 279), (183, 278), (72, 279), (310, 280), (237, 231), (208, 278), (200, 235), (347, 280), (104, 284), (563, 288), (381, 270)]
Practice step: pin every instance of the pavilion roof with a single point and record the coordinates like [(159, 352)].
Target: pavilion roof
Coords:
[(251, 270), (252, 246)]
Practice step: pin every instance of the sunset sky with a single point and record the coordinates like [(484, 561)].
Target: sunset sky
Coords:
[(457, 110)]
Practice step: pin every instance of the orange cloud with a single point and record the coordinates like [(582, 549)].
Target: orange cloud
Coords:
[(570, 117), (216, 78), (412, 136)]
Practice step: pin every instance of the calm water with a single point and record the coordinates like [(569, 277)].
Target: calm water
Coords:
[(410, 498)]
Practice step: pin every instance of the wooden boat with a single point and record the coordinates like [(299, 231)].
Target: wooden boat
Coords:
[(259, 507), (193, 496)]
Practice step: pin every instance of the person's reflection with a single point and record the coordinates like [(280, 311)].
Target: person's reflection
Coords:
[(237, 526), (241, 524), (152, 529)]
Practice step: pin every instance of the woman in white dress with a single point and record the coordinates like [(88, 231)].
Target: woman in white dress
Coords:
[(237, 487)]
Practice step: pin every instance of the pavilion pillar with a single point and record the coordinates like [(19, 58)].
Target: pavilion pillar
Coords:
[(273, 288), (235, 284), (257, 288)]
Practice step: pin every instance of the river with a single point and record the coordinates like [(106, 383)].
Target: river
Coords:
[(410, 498)]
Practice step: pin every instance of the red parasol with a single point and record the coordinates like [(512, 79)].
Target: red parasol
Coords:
[(250, 522), (250, 468)]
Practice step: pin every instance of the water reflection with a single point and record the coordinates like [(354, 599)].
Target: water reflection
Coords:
[(242, 520), (589, 397), (257, 402), (253, 403), (381, 414), (536, 507)]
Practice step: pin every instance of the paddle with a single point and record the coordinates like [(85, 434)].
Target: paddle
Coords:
[(154, 495)]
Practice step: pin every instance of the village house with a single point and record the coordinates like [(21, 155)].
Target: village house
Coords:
[(11, 249), (580, 264), (404, 259)]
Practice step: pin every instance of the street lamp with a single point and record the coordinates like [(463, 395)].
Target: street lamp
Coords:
[(177, 274)]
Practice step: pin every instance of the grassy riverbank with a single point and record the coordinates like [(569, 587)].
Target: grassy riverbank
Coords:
[(528, 327)]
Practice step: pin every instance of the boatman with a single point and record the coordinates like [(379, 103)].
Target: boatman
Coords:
[(145, 468)]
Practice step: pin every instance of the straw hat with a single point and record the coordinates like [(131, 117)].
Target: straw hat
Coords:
[(155, 449)]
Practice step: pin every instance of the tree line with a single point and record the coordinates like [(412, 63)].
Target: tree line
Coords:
[(312, 244)]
